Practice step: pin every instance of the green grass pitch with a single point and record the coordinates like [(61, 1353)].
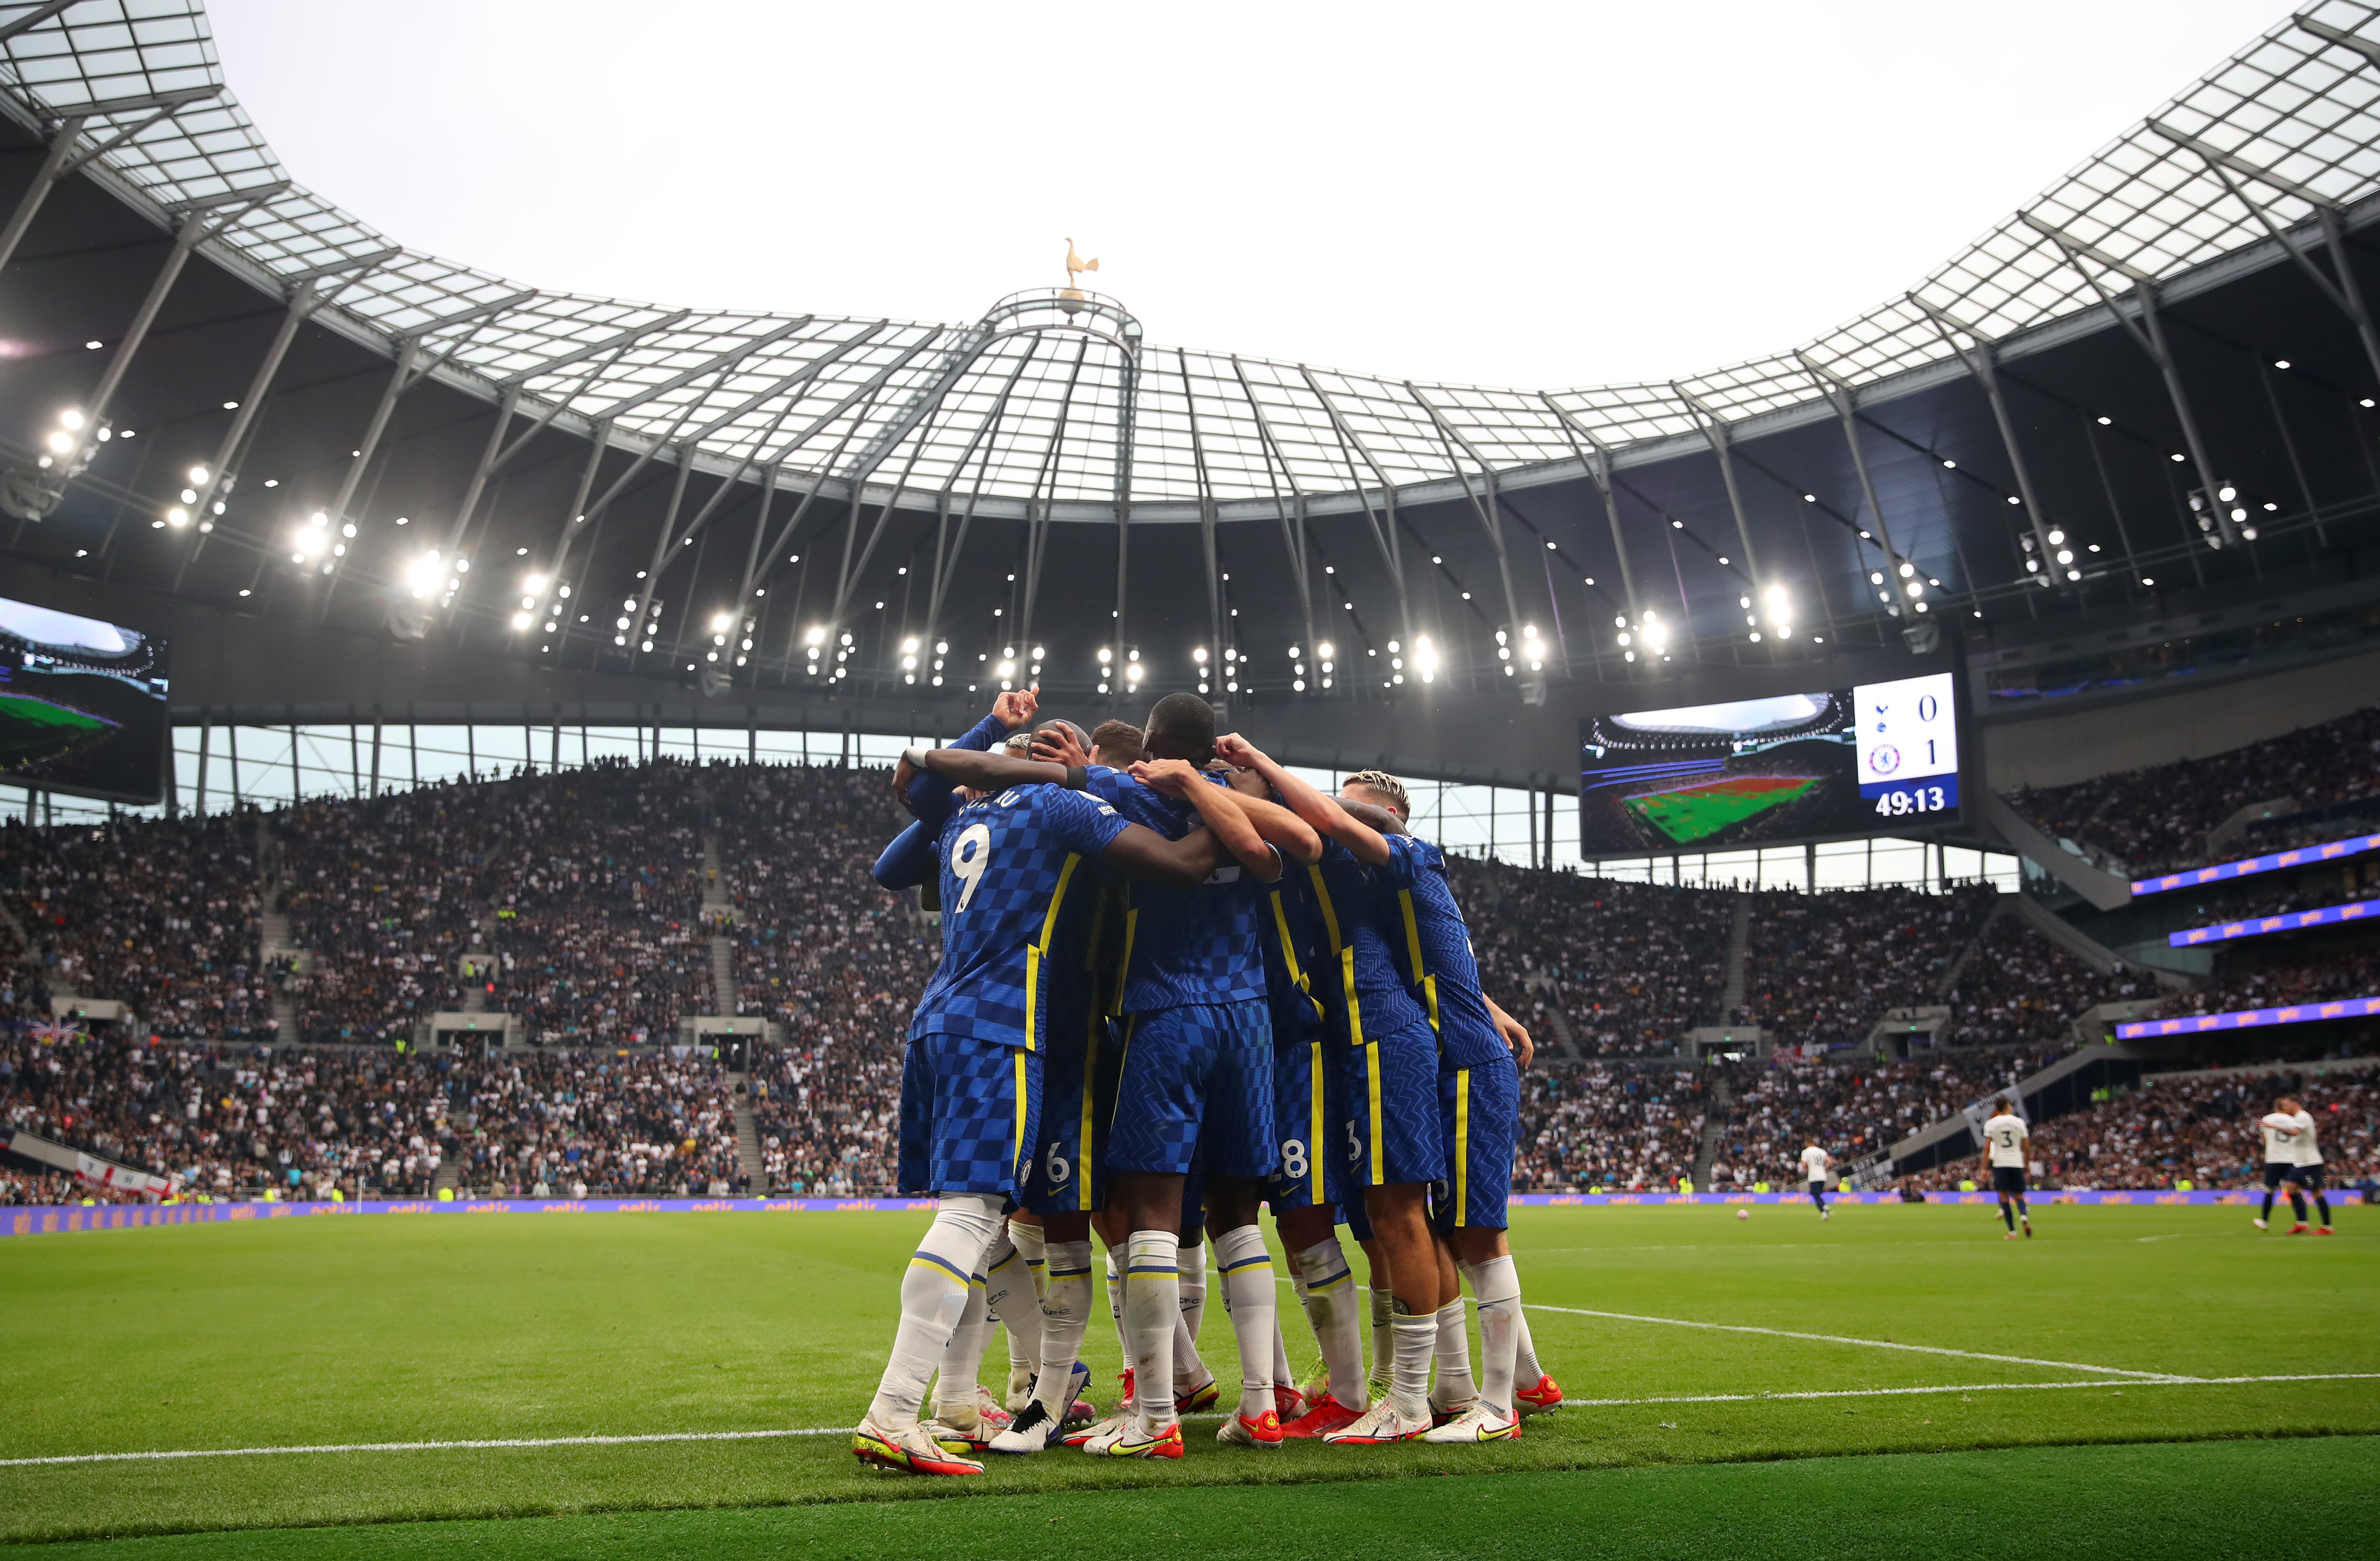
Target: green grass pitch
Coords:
[(1697, 813), (445, 1328)]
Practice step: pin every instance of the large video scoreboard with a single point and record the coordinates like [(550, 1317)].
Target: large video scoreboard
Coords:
[(83, 705), (1872, 759)]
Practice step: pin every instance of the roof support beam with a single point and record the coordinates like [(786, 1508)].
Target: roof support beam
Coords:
[(1487, 511), (1037, 534), (2149, 333), (2341, 36), (800, 376), (1210, 558), (1289, 508), (612, 343), (986, 437), (1982, 361), (719, 363), (1596, 458), (2344, 293), (1384, 533), (32, 19), (1845, 401)]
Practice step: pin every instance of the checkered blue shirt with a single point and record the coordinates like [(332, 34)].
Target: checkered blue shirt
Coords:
[(1182, 946), (1433, 956), (1016, 882), (1296, 959), (1356, 921)]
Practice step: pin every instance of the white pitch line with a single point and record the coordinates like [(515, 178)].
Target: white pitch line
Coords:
[(845, 1430), (1871, 1344), (1966, 1387)]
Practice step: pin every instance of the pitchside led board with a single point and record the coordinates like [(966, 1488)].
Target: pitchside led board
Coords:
[(1877, 759), (83, 705)]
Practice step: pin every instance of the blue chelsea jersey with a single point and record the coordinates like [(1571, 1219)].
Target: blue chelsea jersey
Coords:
[(1183, 946), (1432, 953), (1296, 959), (1016, 880), (1356, 911)]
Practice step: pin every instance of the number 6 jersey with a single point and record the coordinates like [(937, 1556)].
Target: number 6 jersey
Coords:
[(1018, 890)]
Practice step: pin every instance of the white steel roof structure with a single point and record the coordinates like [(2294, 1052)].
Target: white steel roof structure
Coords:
[(1066, 415)]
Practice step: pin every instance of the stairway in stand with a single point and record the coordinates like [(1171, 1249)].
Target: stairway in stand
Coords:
[(747, 1134), (1739, 958), (273, 934), (716, 904), (1715, 1112)]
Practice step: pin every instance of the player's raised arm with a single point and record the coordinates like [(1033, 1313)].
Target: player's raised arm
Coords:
[(1298, 840), (985, 772), (1141, 853), (1218, 808), (1326, 816)]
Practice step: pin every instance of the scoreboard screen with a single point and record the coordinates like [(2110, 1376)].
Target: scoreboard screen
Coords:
[(1875, 758), (83, 705)]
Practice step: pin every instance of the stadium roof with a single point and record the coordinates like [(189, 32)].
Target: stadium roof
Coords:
[(1024, 407), (652, 492)]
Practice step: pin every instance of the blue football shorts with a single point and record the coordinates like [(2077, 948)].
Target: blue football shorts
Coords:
[(968, 1112), (1079, 1065), (1392, 1134), (1310, 1105), (1195, 1082), (1479, 1124)]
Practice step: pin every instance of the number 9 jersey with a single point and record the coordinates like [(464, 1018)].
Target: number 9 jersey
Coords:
[(1016, 882)]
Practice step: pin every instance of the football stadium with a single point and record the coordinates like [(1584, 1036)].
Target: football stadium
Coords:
[(1780, 959)]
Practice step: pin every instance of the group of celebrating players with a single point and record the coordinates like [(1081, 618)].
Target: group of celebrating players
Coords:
[(1178, 983)]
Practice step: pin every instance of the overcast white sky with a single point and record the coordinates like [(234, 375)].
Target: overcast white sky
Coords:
[(1535, 195)]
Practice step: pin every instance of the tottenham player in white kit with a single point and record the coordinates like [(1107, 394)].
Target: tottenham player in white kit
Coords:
[(2007, 1146), (2292, 1157), (1815, 1162), (2280, 1126)]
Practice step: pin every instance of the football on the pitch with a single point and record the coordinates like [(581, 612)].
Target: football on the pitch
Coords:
[(1743, 1213)]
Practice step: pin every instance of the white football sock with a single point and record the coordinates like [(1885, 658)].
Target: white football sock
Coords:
[(1009, 1296), (1152, 1313), (1497, 1283), (1328, 1292), (1066, 1314), (1384, 1350), (1283, 1373), (1031, 1241), (1455, 1388), (1115, 1307), (1249, 1296), (934, 1292), (962, 1364), (1412, 1340), (1525, 1369), (1189, 1370)]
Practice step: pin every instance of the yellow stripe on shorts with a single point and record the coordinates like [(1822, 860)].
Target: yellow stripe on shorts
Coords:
[(1462, 1145)]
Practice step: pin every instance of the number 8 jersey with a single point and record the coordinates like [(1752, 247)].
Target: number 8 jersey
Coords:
[(1017, 885)]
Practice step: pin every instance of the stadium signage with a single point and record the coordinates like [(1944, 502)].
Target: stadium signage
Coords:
[(2273, 862), (2251, 1019), (53, 1219), (2288, 922)]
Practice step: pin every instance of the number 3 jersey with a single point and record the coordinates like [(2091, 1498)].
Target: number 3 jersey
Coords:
[(1017, 872)]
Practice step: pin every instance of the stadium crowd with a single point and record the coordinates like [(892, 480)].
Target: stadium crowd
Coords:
[(163, 915), (373, 1122), (2019, 988), (1825, 967), (2157, 818), (1584, 1125), (1851, 1110), (1631, 966)]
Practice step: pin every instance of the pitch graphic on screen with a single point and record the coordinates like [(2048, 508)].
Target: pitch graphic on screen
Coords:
[(1870, 759), (83, 705)]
